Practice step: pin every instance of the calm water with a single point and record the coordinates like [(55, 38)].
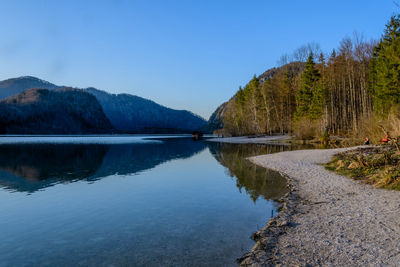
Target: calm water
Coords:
[(120, 202)]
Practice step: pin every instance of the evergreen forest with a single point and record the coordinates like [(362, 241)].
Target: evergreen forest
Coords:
[(350, 90)]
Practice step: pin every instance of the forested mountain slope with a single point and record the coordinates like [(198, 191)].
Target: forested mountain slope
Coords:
[(260, 92), (42, 111), (15, 86), (127, 113), (351, 90), (131, 113), (215, 121)]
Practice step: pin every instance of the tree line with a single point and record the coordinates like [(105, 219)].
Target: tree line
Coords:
[(312, 92)]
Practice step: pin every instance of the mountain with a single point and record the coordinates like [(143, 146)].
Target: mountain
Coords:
[(294, 67), (215, 121), (62, 111), (15, 86), (130, 113), (127, 113)]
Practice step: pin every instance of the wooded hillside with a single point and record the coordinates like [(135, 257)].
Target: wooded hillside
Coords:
[(314, 92), (42, 111)]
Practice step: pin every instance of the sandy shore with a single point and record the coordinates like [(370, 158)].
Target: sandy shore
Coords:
[(251, 140), (327, 219)]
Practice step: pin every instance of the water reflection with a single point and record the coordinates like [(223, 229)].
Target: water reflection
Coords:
[(30, 167), (126, 211), (256, 181)]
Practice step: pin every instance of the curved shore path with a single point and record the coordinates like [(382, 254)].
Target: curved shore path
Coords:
[(327, 219)]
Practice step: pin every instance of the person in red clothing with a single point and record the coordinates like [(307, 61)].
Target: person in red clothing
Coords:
[(385, 140), (366, 142)]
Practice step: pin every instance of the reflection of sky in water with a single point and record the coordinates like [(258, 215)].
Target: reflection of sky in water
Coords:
[(185, 211)]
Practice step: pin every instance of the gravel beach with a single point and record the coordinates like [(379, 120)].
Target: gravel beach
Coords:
[(327, 219), (251, 140)]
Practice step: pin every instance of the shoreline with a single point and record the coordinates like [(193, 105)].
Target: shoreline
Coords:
[(268, 139), (326, 219)]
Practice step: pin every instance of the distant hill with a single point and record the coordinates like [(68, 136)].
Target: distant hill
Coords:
[(127, 113), (42, 111), (215, 121), (130, 113), (295, 67), (15, 86)]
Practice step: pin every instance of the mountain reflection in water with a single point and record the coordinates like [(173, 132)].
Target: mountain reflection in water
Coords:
[(31, 167), (122, 204)]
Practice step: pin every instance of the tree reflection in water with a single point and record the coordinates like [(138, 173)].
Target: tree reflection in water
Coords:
[(28, 168), (256, 181)]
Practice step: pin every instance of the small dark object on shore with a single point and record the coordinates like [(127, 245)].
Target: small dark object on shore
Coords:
[(366, 142), (197, 135)]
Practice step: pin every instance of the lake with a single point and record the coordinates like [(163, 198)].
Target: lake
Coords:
[(130, 201)]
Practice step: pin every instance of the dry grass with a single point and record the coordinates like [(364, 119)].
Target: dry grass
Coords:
[(372, 128), (306, 129), (394, 123), (368, 127), (379, 166)]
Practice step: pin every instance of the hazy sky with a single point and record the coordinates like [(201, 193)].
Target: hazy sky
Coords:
[(183, 54)]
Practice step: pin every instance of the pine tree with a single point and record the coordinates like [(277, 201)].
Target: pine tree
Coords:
[(333, 55), (318, 101), (304, 96), (385, 69)]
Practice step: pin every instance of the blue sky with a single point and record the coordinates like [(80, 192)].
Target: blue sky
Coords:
[(183, 54)]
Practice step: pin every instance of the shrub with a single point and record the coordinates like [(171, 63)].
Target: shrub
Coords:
[(306, 129)]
